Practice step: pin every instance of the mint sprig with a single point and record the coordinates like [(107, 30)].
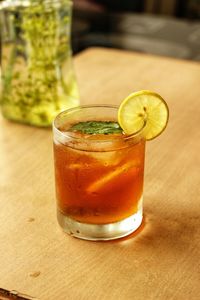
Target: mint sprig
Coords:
[(96, 127)]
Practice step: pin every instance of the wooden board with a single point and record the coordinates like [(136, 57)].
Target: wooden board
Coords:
[(160, 261)]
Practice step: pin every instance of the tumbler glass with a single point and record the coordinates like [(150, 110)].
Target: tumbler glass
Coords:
[(98, 178)]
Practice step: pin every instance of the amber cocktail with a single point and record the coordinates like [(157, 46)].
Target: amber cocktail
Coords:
[(99, 174)]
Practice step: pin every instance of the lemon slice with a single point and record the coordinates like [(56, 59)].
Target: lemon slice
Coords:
[(112, 175), (143, 109)]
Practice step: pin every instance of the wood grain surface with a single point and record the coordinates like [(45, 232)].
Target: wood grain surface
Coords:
[(161, 260)]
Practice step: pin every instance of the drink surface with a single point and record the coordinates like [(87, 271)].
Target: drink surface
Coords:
[(98, 186)]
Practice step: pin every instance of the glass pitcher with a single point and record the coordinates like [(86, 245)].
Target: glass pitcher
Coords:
[(37, 74)]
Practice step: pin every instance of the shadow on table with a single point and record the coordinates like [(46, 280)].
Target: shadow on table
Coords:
[(166, 232)]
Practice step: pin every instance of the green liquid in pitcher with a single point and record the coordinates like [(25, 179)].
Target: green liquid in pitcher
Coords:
[(38, 79)]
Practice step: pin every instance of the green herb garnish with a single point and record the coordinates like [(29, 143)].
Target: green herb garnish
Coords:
[(97, 127)]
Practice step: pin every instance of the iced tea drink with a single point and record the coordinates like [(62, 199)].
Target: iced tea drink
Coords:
[(99, 174)]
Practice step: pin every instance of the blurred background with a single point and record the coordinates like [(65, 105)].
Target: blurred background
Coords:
[(162, 27)]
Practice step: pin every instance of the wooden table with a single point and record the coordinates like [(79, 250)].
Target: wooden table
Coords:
[(160, 261)]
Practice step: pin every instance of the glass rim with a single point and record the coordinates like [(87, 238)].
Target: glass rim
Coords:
[(124, 137)]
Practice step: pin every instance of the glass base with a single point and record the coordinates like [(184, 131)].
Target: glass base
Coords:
[(95, 232)]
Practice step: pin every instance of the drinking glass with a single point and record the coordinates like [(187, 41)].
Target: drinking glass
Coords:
[(98, 178)]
